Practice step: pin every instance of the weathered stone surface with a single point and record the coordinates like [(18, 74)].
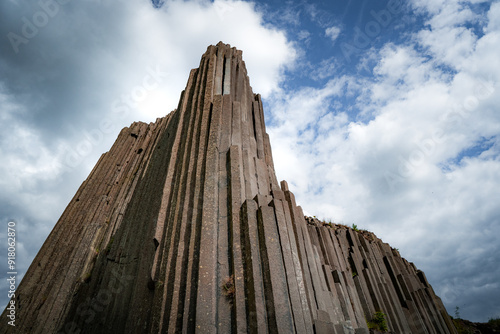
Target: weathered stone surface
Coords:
[(183, 227)]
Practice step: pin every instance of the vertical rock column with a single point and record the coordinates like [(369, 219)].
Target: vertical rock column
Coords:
[(67, 258), (183, 227)]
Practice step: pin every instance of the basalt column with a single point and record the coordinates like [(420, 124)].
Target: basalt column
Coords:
[(183, 227)]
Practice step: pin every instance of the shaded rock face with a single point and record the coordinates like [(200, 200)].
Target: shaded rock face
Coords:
[(183, 227)]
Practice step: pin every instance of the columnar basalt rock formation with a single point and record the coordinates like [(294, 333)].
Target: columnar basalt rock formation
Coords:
[(183, 227)]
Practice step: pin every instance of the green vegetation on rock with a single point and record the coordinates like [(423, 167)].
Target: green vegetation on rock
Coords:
[(378, 322)]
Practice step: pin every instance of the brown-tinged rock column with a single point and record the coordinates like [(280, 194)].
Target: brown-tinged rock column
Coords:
[(183, 227)]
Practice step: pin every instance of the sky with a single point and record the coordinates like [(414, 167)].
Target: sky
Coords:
[(381, 113)]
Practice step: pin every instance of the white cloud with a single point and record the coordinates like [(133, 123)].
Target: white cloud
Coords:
[(333, 33), (450, 46), (303, 35), (493, 15), (199, 24)]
